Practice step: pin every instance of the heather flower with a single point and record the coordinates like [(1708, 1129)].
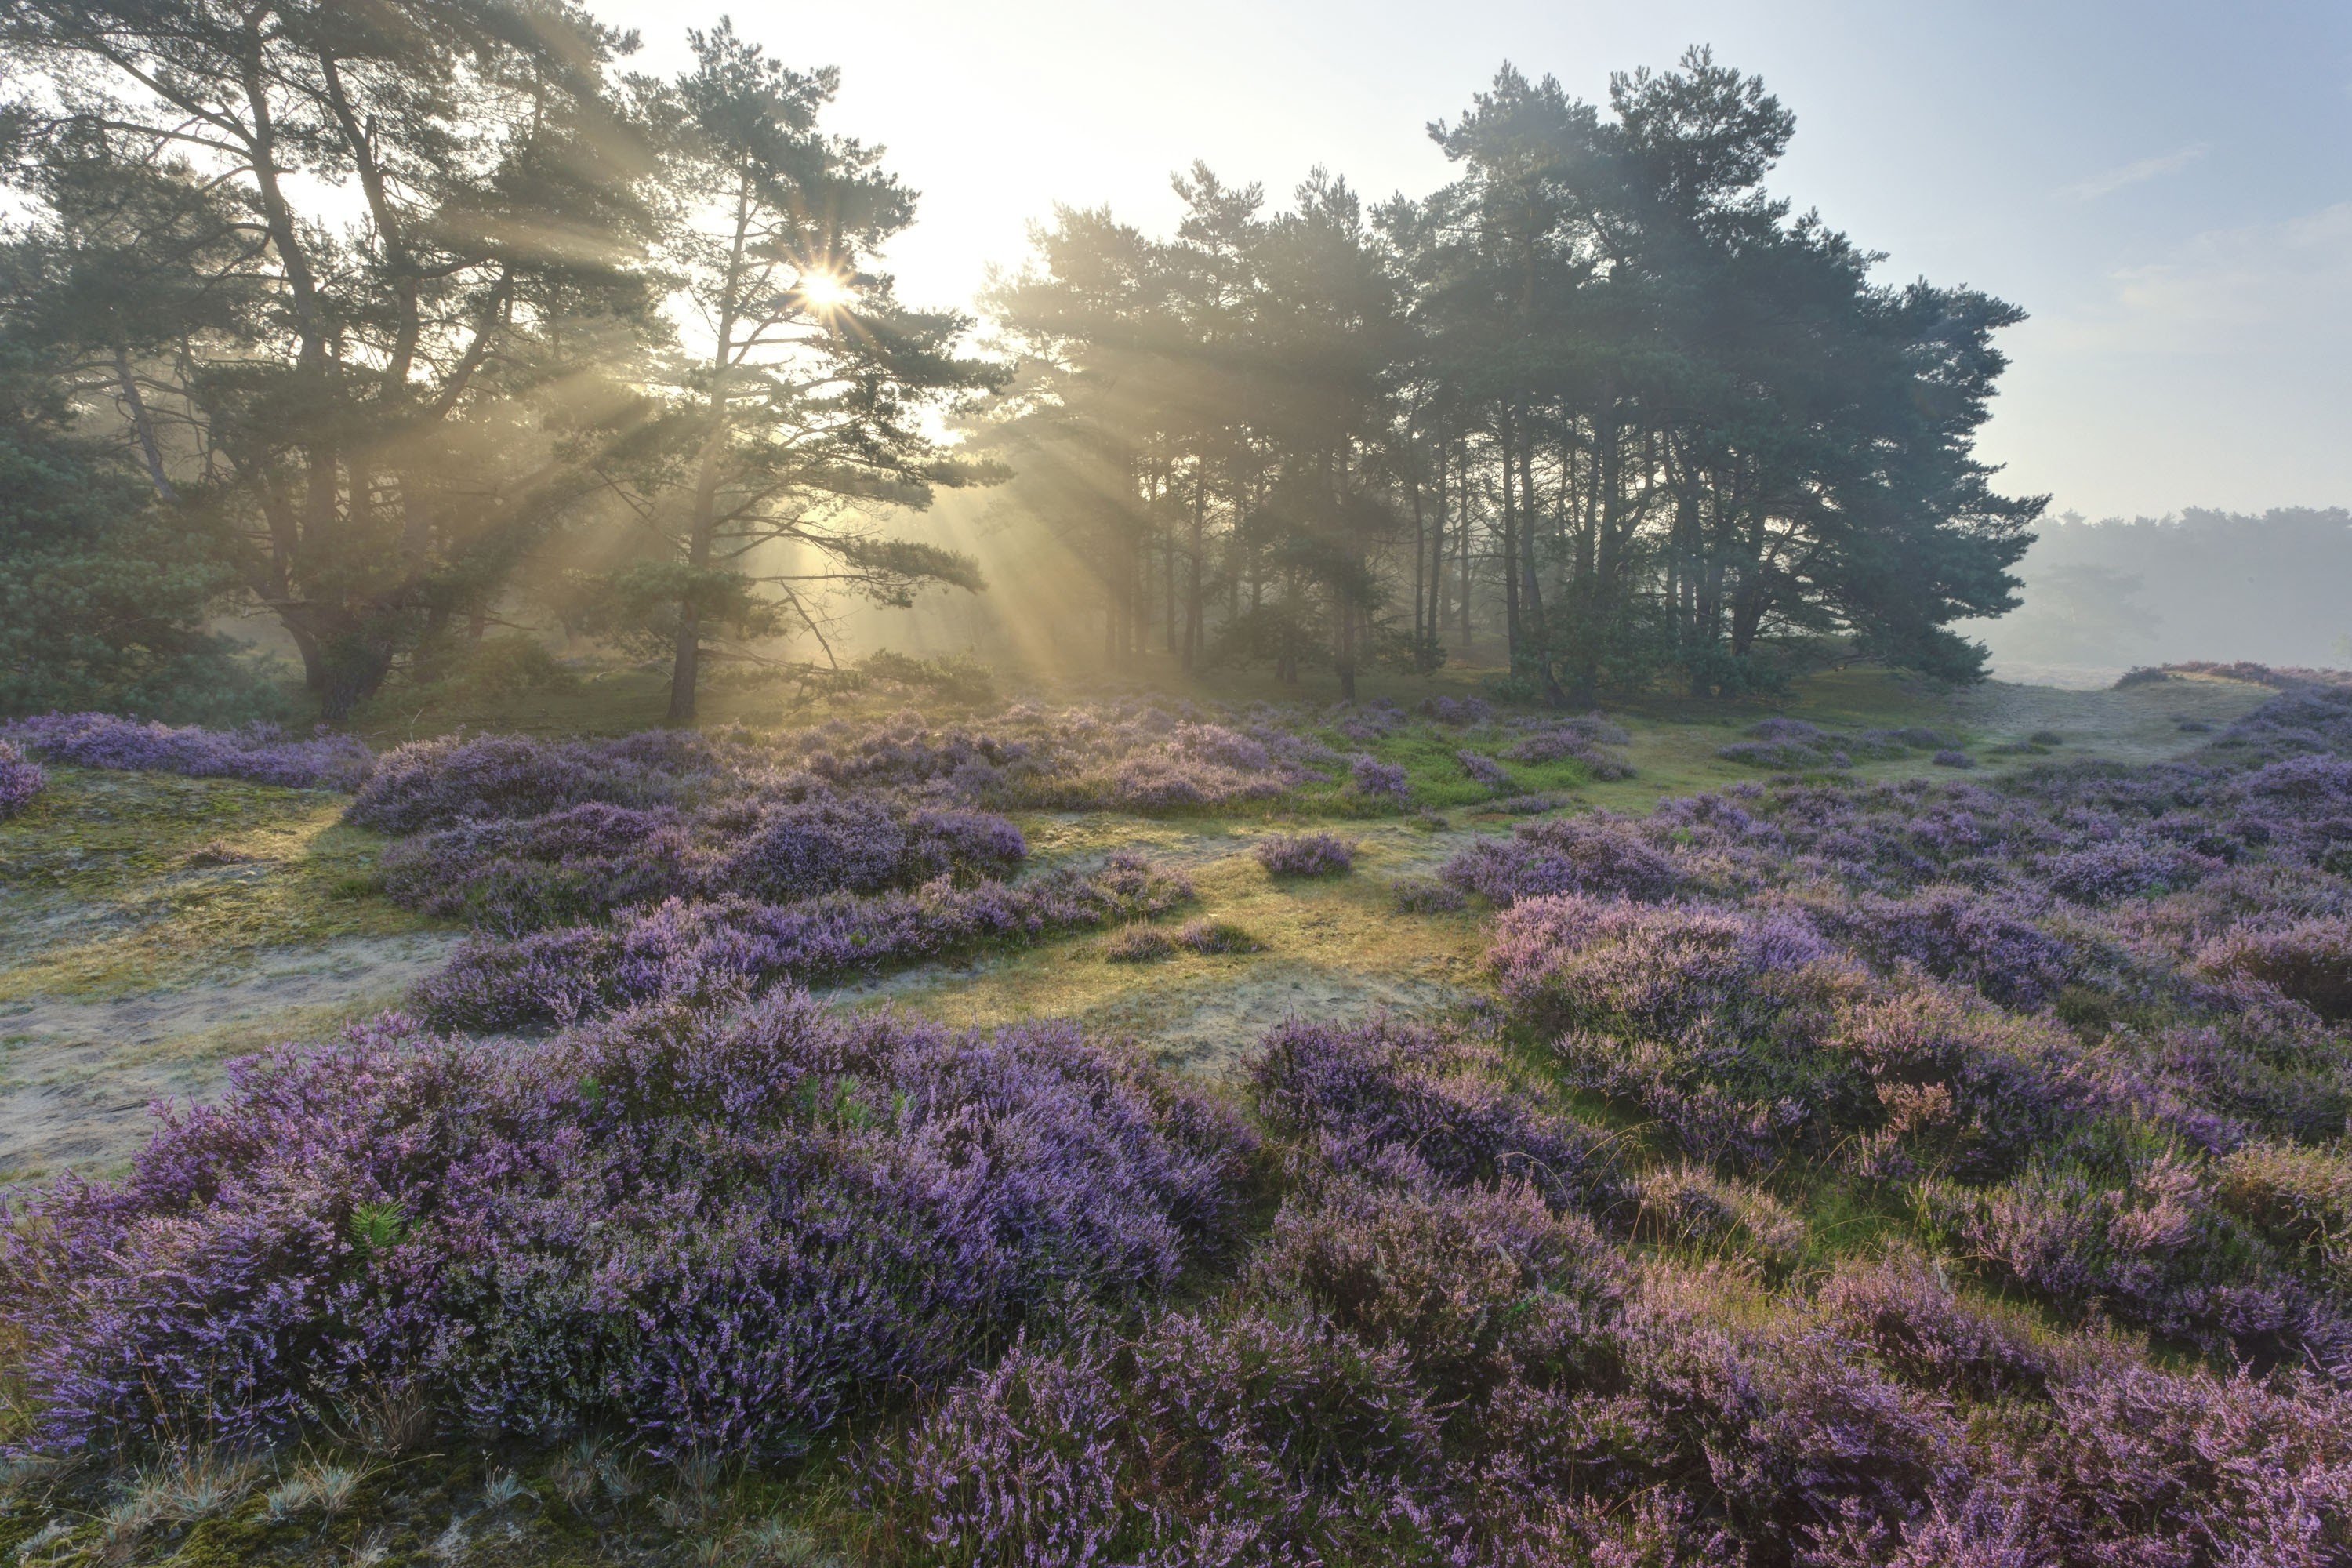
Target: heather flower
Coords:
[(1992, 943), (1480, 768), (20, 781), (710, 952), (1477, 1284), (1306, 854), (1359, 1091), (2309, 961), (1597, 854), (1458, 712), (514, 876), (1918, 1330), (701, 1232), (1572, 958), (1953, 757), (435, 784), (1139, 944), (2123, 868), (1377, 780), (260, 753)]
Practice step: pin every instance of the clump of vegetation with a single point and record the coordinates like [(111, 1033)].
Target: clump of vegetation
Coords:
[(1205, 935), (1139, 944), (1306, 854), (20, 780)]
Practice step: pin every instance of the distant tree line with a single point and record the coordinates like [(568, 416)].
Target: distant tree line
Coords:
[(1601, 397), (369, 316), (2275, 587)]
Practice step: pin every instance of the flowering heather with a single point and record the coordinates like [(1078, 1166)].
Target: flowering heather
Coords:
[(260, 753), (1459, 712), (1601, 854), (703, 1234), (436, 783), (2101, 873), (1483, 769), (2161, 1252), (2309, 961), (1359, 1091), (711, 951), (1953, 757), (20, 781), (859, 845), (1306, 854), (518, 875), (1578, 959), (1376, 780), (1994, 942), (1139, 944)]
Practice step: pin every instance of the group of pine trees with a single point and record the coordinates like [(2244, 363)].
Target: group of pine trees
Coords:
[(352, 314), (1601, 397)]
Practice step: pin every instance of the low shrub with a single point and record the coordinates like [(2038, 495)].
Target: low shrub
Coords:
[(874, 1203), (2309, 961), (1358, 1092), (1139, 944), (20, 780), (1377, 780), (259, 753), (1425, 896), (1599, 854), (1306, 854), (711, 951), (1480, 768), (1212, 936)]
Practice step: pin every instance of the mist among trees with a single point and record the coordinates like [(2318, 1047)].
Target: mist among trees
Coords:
[(2273, 587), (403, 325)]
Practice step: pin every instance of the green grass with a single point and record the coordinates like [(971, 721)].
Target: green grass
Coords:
[(119, 883)]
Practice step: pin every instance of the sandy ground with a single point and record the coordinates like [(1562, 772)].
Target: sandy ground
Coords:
[(2137, 725), (77, 1077)]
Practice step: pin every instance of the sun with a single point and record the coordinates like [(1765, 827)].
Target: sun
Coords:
[(827, 291)]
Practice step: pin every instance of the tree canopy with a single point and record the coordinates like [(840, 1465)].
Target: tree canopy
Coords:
[(375, 308)]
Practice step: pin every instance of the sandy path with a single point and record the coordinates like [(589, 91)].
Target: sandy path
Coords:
[(77, 1077)]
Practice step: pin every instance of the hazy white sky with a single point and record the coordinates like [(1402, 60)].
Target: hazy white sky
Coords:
[(2166, 186)]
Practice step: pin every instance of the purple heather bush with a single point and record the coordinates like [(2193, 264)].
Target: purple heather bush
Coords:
[(2161, 1252), (715, 950), (1357, 1093), (2309, 961), (1458, 712), (260, 753), (1376, 780), (20, 780), (517, 874), (1991, 943), (1601, 854), (704, 1234), (1479, 768), (1306, 854), (1953, 757), (859, 845), (437, 784)]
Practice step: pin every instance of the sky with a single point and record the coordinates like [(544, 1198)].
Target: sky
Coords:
[(2165, 188)]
